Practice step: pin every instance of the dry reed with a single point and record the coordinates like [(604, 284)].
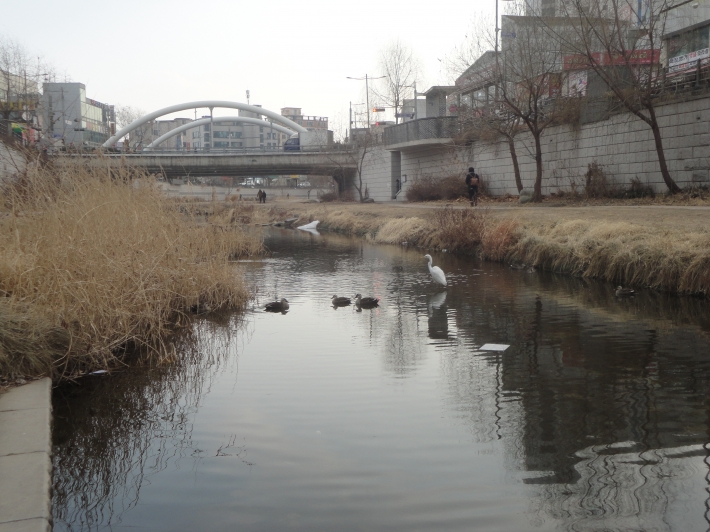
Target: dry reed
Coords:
[(623, 253), (106, 258)]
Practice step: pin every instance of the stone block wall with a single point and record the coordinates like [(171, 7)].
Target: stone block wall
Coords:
[(623, 145)]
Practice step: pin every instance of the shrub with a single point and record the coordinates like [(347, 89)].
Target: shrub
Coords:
[(639, 190), (598, 185), (460, 229), (434, 189)]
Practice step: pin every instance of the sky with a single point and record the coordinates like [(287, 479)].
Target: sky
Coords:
[(150, 54)]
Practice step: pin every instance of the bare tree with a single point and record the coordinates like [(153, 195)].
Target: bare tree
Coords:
[(622, 46), (479, 38), (400, 69), (21, 75), (530, 67), (125, 115)]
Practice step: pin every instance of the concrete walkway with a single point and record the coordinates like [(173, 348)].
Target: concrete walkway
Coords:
[(26, 458)]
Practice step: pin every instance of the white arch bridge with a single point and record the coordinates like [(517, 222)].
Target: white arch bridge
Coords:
[(340, 164)]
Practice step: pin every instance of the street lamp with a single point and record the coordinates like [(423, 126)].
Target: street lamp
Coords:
[(497, 28), (367, 94)]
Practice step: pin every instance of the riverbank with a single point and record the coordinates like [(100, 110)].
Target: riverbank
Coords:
[(664, 247), (98, 266)]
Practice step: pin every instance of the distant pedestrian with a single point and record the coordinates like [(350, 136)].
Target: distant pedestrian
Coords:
[(263, 196), (472, 181), (258, 196)]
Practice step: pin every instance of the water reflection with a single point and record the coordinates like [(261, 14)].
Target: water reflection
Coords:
[(596, 418), (112, 434)]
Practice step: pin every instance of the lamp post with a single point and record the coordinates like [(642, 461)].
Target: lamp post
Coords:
[(497, 28), (367, 94)]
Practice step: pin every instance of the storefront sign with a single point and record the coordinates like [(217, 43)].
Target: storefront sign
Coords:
[(633, 57), (682, 61)]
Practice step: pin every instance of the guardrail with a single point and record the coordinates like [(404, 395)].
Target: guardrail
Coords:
[(441, 127)]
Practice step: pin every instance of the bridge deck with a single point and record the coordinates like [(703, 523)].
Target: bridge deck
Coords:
[(335, 163)]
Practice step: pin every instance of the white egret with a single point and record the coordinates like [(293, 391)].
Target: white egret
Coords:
[(437, 273)]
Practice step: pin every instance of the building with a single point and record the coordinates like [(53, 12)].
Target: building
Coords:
[(475, 87), (687, 36), (19, 100), (71, 119)]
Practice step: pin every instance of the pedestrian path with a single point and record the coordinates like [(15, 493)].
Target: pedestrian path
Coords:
[(26, 458)]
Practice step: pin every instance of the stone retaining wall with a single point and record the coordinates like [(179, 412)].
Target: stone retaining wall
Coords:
[(623, 145)]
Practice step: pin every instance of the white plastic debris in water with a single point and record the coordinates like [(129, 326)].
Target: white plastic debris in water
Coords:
[(309, 226), (494, 347), (98, 372)]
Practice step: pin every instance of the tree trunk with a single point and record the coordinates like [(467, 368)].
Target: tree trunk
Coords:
[(537, 190), (670, 183), (516, 166)]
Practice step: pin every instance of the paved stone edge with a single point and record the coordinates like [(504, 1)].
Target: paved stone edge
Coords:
[(26, 458)]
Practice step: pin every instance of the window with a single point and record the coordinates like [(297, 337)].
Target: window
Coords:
[(261, 138), (195, 134), (236, 134), (156, 132), (236, 144), (207, 137), (221, 144), (261, 129), (221, 134), (207, 127)]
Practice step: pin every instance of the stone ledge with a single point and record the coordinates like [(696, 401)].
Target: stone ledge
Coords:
[(27, 525), (25, 458)]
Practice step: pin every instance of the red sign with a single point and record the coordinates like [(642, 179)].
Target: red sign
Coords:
[(634, 57)]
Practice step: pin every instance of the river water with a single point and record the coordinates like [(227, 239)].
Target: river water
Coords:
[(597, 417)]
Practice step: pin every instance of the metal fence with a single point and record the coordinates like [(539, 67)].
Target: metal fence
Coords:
[(441, 127)]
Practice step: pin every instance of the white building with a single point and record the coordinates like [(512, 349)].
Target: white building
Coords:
[(71, 119)]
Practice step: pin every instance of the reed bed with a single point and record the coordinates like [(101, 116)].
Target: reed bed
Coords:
[(96, 263)]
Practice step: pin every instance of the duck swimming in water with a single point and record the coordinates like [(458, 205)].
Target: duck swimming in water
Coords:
[(366, 302), (623, 292), (340, 301), (277, 306)]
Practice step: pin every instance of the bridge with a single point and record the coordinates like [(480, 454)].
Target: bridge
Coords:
[(339, 164)]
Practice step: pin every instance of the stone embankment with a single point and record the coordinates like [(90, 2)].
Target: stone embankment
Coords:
[(26, 458)]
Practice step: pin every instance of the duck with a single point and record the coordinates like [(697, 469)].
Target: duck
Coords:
[(518, 266), (366, 302), (340, 301), (277, 306), (623, 292), (437, 274)]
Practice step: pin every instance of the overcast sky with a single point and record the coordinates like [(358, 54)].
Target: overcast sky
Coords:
[(154, 53)]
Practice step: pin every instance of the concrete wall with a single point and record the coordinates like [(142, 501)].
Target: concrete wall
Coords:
[(12, 161), (623, 145)]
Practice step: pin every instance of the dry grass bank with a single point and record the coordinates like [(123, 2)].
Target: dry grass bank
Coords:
[(93, 263), (646, 252)]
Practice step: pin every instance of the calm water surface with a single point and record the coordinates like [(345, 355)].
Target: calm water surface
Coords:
[(597, 417)]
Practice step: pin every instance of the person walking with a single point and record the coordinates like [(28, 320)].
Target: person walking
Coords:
[(263, 196), (258, 196), (472, 180)]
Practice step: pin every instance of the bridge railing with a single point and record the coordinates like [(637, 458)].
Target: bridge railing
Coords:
[(440, 127), (239, 150)]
